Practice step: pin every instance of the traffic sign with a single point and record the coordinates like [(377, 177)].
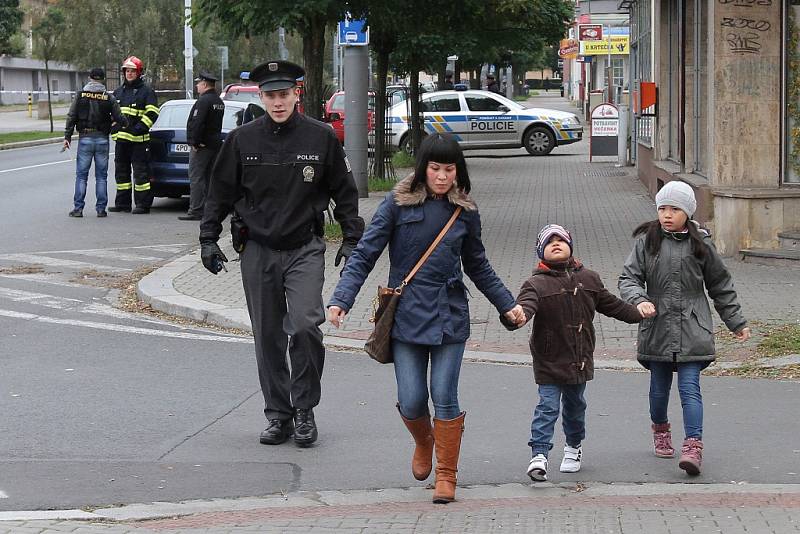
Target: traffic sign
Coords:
[(353, 32)]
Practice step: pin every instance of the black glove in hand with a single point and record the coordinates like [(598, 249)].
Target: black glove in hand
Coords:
[(212, 256), (344, 252)]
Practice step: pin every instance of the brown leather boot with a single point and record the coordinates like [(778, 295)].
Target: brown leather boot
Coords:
[(421, 430), (447, 442)]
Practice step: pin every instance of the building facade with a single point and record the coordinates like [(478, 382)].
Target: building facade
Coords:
[(726, 115)]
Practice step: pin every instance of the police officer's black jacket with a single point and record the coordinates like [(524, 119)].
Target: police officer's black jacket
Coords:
[(94, 110), (139, 105), (280, 178), (205, 121)]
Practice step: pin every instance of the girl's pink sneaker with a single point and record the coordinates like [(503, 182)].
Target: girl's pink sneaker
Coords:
[(662, 441), (691, 456)]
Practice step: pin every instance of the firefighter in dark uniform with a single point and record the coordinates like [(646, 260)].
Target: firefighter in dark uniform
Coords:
[(93, 113), (280, 172), (138, 103), (203, 130)]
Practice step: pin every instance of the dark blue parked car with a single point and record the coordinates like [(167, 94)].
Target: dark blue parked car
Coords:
[(169, 152)]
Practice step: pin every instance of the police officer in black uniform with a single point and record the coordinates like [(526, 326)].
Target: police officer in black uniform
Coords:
[(280, 172), (92, 113), (203, 134)]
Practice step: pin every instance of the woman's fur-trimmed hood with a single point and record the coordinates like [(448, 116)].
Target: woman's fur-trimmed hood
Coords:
[(404, 196)]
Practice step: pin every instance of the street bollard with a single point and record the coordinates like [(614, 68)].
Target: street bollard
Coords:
[(30, 105), (622, 137)]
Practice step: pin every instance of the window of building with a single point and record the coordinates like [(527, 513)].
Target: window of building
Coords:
[(791, 57), (641, 64), (618, 71)]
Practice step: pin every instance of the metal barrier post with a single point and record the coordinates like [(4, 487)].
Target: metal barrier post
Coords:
[(622, 138), (30, 105)]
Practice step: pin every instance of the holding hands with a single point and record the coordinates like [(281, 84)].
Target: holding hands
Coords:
[(336, 316), (646, 309), (516, 315)]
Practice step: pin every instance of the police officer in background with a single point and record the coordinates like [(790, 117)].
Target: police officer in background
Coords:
[(92, 113), (279, 172), (203, 134), (138, 103), (492, 85)]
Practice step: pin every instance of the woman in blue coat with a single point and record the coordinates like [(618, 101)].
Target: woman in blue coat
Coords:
[(432, 318)]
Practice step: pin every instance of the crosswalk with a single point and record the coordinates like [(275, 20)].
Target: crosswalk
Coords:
[(46, 288)]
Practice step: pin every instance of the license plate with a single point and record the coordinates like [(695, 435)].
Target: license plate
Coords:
[(181, 147)]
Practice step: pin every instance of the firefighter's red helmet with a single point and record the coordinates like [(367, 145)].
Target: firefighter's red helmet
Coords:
[(133, 62)]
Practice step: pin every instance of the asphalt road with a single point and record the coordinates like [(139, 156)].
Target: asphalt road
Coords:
[(102, 407)]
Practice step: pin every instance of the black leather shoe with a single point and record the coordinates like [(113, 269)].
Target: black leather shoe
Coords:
[(115, 209), (189, 217), (140, 211), (305, 429), (102, 213), (76, 213), (277, 432)]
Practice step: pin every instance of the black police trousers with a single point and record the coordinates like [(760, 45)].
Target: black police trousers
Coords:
[(283, 289), (134, 156)]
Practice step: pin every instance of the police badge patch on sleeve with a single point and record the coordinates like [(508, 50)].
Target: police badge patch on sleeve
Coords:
[(308, 173), (347, 164)]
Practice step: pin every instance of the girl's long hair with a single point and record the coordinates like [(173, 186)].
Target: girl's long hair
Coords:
[(654, 234)]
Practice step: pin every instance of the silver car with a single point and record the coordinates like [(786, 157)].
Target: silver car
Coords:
[(480, 119)]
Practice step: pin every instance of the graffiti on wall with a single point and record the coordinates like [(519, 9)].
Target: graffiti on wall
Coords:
[(742, 33)]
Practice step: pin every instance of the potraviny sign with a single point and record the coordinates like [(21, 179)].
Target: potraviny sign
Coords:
[(603, 130)]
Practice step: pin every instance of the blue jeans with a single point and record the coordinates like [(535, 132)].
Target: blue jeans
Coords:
[(92, 147), (411, 372), (689, 389), (551, 396)]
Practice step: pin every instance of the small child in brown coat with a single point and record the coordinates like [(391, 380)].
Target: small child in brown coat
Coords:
[(561, 297)]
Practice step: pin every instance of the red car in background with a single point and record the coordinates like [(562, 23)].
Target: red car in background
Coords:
[(334, 113), (247, 91)]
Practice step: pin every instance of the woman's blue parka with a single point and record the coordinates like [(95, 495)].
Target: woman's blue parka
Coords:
[(433, 309)]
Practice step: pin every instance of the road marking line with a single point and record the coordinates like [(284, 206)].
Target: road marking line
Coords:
[(42, 278), (40, 299), (112, 254), (37, 165), (58, 262), (3, 495), (123, 328), (170, 248)]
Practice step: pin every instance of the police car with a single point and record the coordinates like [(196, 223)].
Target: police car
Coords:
[(480, 119)]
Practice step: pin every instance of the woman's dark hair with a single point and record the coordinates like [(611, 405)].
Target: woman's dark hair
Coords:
[(654, 234), (441, 148)]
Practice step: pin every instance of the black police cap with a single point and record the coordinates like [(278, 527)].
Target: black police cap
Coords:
[(97, 74), (205, 76), (276, 75)]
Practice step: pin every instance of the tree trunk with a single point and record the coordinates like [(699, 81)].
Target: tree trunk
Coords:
[(49, 101), (416, 122), (440, 73), (313, 57)]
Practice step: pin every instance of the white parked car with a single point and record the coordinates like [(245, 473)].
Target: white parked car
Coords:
[(480, 119)]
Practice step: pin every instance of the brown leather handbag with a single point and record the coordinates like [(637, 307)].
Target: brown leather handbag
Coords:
[(379, 343)]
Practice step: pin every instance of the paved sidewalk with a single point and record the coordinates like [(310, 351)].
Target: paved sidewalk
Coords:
[(517, 194), (543, 507)]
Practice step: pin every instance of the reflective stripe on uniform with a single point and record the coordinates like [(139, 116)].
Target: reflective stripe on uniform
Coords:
[(125, 136), (141, 187), (150, 108), (126, 186), (146, 121), (131, 111)]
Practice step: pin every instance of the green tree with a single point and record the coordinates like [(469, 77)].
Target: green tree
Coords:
[(47, 35), (10, 22), (308, 18)]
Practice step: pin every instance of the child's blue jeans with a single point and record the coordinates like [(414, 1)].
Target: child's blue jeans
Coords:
[(573, 419), (689, 389)]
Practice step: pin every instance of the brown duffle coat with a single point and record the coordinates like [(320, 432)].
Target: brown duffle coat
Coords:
[(562, 301)]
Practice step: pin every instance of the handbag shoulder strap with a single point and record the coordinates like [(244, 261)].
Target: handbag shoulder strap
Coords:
[(431, 248)]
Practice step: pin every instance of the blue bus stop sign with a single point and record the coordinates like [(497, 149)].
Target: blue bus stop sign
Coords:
[(353, 33)]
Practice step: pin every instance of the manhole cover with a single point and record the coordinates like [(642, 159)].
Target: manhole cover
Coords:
[(605, 173)]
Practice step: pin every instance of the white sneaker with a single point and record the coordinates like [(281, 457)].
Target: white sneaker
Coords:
[(537, 469), (572, 459)]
